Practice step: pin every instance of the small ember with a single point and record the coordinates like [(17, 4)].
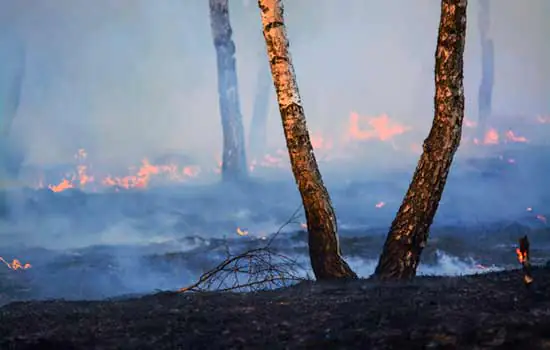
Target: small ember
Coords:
[(241, 232)]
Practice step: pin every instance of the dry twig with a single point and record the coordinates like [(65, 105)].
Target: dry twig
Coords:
[(253, 270)]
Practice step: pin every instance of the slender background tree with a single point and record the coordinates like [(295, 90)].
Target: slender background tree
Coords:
[(409, 231), (324, 249), (11, 85), (234, 166), (485, 94), (257, 139)]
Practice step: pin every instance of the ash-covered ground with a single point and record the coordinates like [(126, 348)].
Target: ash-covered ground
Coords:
[(85, 245)]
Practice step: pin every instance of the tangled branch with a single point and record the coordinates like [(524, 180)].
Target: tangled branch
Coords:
[(255, 269)]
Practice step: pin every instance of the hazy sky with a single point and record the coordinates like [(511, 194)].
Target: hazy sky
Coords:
[(127, 78)]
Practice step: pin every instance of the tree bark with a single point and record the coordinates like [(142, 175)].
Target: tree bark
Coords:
[(234, 167), (324, 249), (258, 126), (409, 231), (485, 93)]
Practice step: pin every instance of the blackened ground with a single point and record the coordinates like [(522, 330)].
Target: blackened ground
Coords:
[(490, 311)]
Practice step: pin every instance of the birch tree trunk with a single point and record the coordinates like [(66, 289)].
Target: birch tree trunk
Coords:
[(324, 250), (234, 158), (485, 93), (409, 231)]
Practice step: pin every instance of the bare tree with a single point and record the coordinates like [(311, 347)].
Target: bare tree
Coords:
[(11, 157), (409, 231), (324, 249), (234, 157), (258, 126), (485, 94)]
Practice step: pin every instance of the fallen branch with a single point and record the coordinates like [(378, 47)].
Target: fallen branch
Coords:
[(253, 270), (524, 259)]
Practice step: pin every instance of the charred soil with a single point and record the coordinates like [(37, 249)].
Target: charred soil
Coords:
[(489, 311)]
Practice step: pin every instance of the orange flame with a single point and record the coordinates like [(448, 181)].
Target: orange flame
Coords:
[(15, 264), (522, 257), (382, 128)]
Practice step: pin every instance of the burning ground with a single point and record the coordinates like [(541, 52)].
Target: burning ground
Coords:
[(80, 234), (101, 235)]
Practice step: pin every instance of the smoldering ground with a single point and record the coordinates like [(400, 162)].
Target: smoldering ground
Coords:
[(126, 80)]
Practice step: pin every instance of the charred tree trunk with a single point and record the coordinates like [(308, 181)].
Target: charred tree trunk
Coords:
[(485, 94), (409, 231), (324, 250), (234, 158), (258, 126)]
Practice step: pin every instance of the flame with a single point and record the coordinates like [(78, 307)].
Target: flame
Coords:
[(492, 137), (328, 147), (381, 128), (241, 232), (62, 186), (522, 257), (510, 136), (15, 264)]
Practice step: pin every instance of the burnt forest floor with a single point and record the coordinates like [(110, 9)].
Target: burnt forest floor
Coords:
[(488, 311)]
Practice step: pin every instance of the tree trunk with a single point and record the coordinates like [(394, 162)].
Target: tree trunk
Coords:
[(11, 157), (234, 158), (485, 94), (409, 231), (10, 161), (258, 126), (324, 250)]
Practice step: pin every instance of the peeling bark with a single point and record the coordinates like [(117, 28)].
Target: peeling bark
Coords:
[(324, 249), (485, 93), (410, 229), (258, 126), (234, 158)]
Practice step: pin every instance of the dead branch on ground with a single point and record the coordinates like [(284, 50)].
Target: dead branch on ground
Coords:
[(253, 270)]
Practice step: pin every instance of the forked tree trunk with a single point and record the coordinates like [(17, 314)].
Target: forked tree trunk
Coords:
[(324, 250), (258, 126), (485, 93), (234, 158), (409, 231)]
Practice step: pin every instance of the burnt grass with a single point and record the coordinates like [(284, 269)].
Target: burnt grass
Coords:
[(488, 311)]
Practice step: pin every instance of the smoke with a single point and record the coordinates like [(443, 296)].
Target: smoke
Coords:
[(127, 79)]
